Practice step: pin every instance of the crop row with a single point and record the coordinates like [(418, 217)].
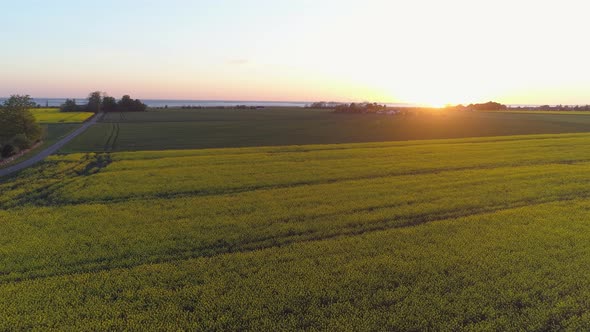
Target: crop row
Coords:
[(169, 174), (99, 224)]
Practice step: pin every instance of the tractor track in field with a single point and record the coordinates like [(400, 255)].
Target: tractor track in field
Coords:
[(313, 182), (113, 136), (269, 242)]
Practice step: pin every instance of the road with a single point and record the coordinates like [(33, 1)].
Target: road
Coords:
[(50, 150)]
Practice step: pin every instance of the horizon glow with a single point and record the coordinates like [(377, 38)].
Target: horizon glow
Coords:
[(422, 52)]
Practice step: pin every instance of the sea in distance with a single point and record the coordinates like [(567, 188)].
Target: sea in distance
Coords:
[(56, 102), (175, 103)]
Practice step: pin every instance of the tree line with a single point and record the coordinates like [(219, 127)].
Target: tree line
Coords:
[(489, 106), (18, 127), (575, 108), (101, 102), (348, 108), (323, 105), (359, 108), (375, 107)]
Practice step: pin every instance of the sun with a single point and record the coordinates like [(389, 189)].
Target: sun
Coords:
[(425, 97), (434, 102), (437, 92)]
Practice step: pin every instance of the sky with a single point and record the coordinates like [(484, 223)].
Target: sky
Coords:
[(420, 51)]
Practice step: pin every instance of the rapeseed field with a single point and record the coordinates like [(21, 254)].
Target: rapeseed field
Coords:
[(468, 234)]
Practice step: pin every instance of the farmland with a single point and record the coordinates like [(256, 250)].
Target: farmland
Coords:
[(554, 112), (53, 115), (214, 128), (488, 233), (55, 125)]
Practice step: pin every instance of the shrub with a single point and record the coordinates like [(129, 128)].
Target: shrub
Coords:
[(8, 150), (21, 141)]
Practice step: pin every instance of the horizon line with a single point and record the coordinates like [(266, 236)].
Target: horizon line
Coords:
[(302, 101)]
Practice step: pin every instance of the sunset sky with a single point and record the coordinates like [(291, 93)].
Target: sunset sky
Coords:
[(427, 52)]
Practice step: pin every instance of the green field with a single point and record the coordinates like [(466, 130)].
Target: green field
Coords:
[(53, 115), (192, 129), (481, 234)]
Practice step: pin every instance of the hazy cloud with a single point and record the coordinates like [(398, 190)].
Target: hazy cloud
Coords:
[(238, 61)]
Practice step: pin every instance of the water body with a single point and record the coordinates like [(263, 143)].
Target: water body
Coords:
[(56, 102)]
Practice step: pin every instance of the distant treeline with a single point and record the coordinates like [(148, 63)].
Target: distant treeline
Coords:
[(359, 108), (323, 105), (349, 108), (236, 107), (384, 109), (100, 102), (493, 106), (489, 106), (579, 108)]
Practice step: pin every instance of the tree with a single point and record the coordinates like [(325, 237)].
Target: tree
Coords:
[(126, 104), (138, 106), (94, 101), (109, 104), (16, 118), (69, 106)]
